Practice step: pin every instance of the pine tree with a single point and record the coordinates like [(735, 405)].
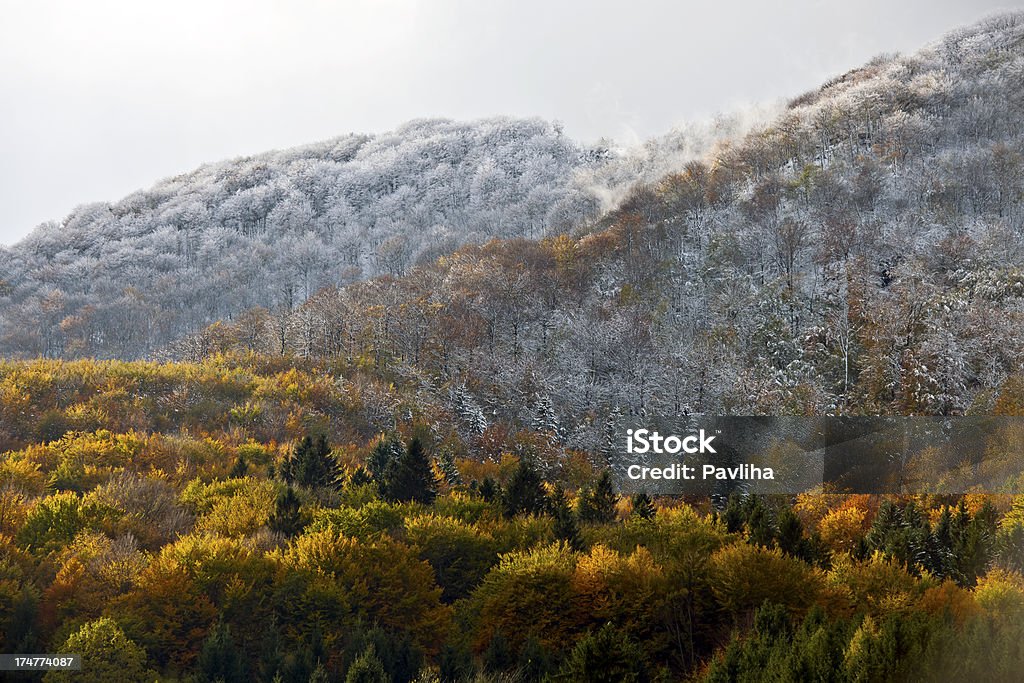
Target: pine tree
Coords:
[(525, 492), (489, 490), (544, 418), (643, 506), (287, 517), (791, 533), (597, 505), (608, 655), (412, 477), (566, 528), (367, 668), (312, 464), (760, 529), (360, 477), (446, 463), (220, 660), (383, 457)]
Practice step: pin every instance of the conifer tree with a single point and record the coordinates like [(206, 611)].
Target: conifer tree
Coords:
[(566, 528), (287, 517), (367, 668), (643, 506), (220, 660), (525, 492), (598, 504), (411, 477), (382, 458), (450, 473), (489, 490), (312, 464)]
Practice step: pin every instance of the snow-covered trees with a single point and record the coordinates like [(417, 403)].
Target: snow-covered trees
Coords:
[(271, 230)]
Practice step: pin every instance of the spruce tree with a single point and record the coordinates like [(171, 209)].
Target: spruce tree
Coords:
[(312, 464), (791, 533), (643, 506), (597, 505), (219, 659), (382, 458), (489, 490), (287, 517), (566, 528), (367, 668), (411, 478), (525, 492)]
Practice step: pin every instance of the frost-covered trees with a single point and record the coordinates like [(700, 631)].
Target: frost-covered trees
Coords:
[(270, 230)]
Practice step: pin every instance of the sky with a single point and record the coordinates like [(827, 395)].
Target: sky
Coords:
[(100, 98)]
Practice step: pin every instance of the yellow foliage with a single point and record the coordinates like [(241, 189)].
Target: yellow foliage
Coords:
[(843, 528), (744, 576), (877, 586), (1001, 593), (21, 474)]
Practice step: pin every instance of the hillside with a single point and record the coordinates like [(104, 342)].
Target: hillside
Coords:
[(120, 279), (863, 253), (406, 477)]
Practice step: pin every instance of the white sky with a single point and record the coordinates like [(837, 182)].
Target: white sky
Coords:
[(101, 97)]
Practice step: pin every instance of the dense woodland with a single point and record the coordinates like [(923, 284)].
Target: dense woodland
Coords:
[(322, 475), (243, 518)]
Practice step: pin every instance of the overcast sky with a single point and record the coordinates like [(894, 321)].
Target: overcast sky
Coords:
[(100, 98)]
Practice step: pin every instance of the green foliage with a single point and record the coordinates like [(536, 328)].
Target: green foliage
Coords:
[(312, 465), (410, 478), (643, 506), (55, 521), (606, 656), (367, 669), (597, 505), (566, 529), (220, 660), (107, 655), (489, 490), (525, 492), (459, 553), (287, 518)]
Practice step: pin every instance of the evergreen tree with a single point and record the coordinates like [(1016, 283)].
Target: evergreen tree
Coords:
[(489, 490), (733, 516), (411, 477), (534, 662), (382, 458), (525, 492), (608, 655), (367, 668), (566, 528), (450, 473), (220, 660), (597, 505), (360, 477), (240, 468), (287, 517), (760, 529), (320, 675), (643, 506), (544, 418), (498, 656), (790, 536), (312, 464)]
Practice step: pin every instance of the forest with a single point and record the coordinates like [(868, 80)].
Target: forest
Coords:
[(347, 412)]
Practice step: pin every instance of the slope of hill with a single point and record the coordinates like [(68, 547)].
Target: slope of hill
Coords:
[(118, 279), (862, 253)]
